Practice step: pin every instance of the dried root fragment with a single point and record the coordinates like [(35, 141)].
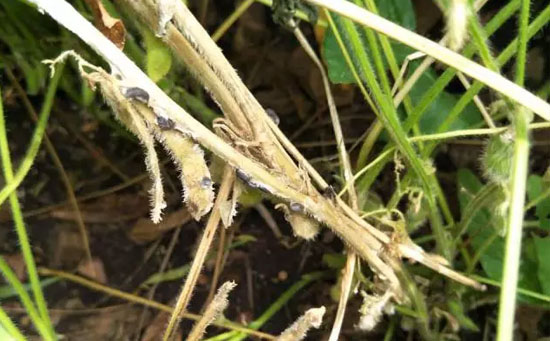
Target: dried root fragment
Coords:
[(212, 312), (127, 114), (302, 225), (297, 331), (198, 193)]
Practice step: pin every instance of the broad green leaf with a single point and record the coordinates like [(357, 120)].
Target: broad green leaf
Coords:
[(436, 113), (158, 56), (334, 260), (481, 232), (542, 248), (399, 11), (535, 187), (441, 106)]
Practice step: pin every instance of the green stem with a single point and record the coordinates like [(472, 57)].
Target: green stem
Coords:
[(21, 230), (236, 14), (439, 85), (36, 139), (41, 326), (507, 306), (526, 292), (537, 24), (10, 327), (523, 39), (388, 116)]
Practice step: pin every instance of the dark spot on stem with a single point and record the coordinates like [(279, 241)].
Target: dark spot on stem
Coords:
[(137, 94)]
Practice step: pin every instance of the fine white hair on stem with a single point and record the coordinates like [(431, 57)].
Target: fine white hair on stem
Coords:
[(198, 194), (212, 312), (298, 330), (458, 14), (128, 115)]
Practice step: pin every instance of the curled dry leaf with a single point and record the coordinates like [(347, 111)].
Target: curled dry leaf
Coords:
[(145, 231), (112, 28), (94, 270)]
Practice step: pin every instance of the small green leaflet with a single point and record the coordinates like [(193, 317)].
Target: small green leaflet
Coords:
[(159, 58)]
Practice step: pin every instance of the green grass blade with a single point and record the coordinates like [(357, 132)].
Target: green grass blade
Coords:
[(523, 39), (34, 315), (13, 333), (390, 120), (21, 230), (36, 139)]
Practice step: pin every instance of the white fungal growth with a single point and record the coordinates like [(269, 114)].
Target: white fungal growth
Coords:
[(457, 24), (373, 309), (298, 330)]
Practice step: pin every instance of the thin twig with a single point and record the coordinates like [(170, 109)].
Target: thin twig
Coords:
[(162, 268), (202, 250), (148, 303), (58, 165)]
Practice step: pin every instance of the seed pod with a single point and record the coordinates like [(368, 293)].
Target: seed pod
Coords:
[(198, 193), (498, 157), (457, 24), (302, 225), (128, 115)]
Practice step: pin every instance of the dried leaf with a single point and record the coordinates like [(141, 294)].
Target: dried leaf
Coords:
[(145, 231), (94, 270), (112, 28)]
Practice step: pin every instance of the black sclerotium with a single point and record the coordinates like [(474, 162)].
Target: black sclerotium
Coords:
[(243, 176), (296, 207), (137, 94), (165, 123), (329, 192), (206, 182), (273, 115)]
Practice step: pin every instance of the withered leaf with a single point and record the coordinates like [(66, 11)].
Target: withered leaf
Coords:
[(112, 28)]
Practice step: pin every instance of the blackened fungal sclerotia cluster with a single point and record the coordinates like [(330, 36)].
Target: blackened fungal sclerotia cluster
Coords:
[(273, 116), (206, 182), (296, 207), (247, 179), (136, 93), (329, 192), (165, 123)]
